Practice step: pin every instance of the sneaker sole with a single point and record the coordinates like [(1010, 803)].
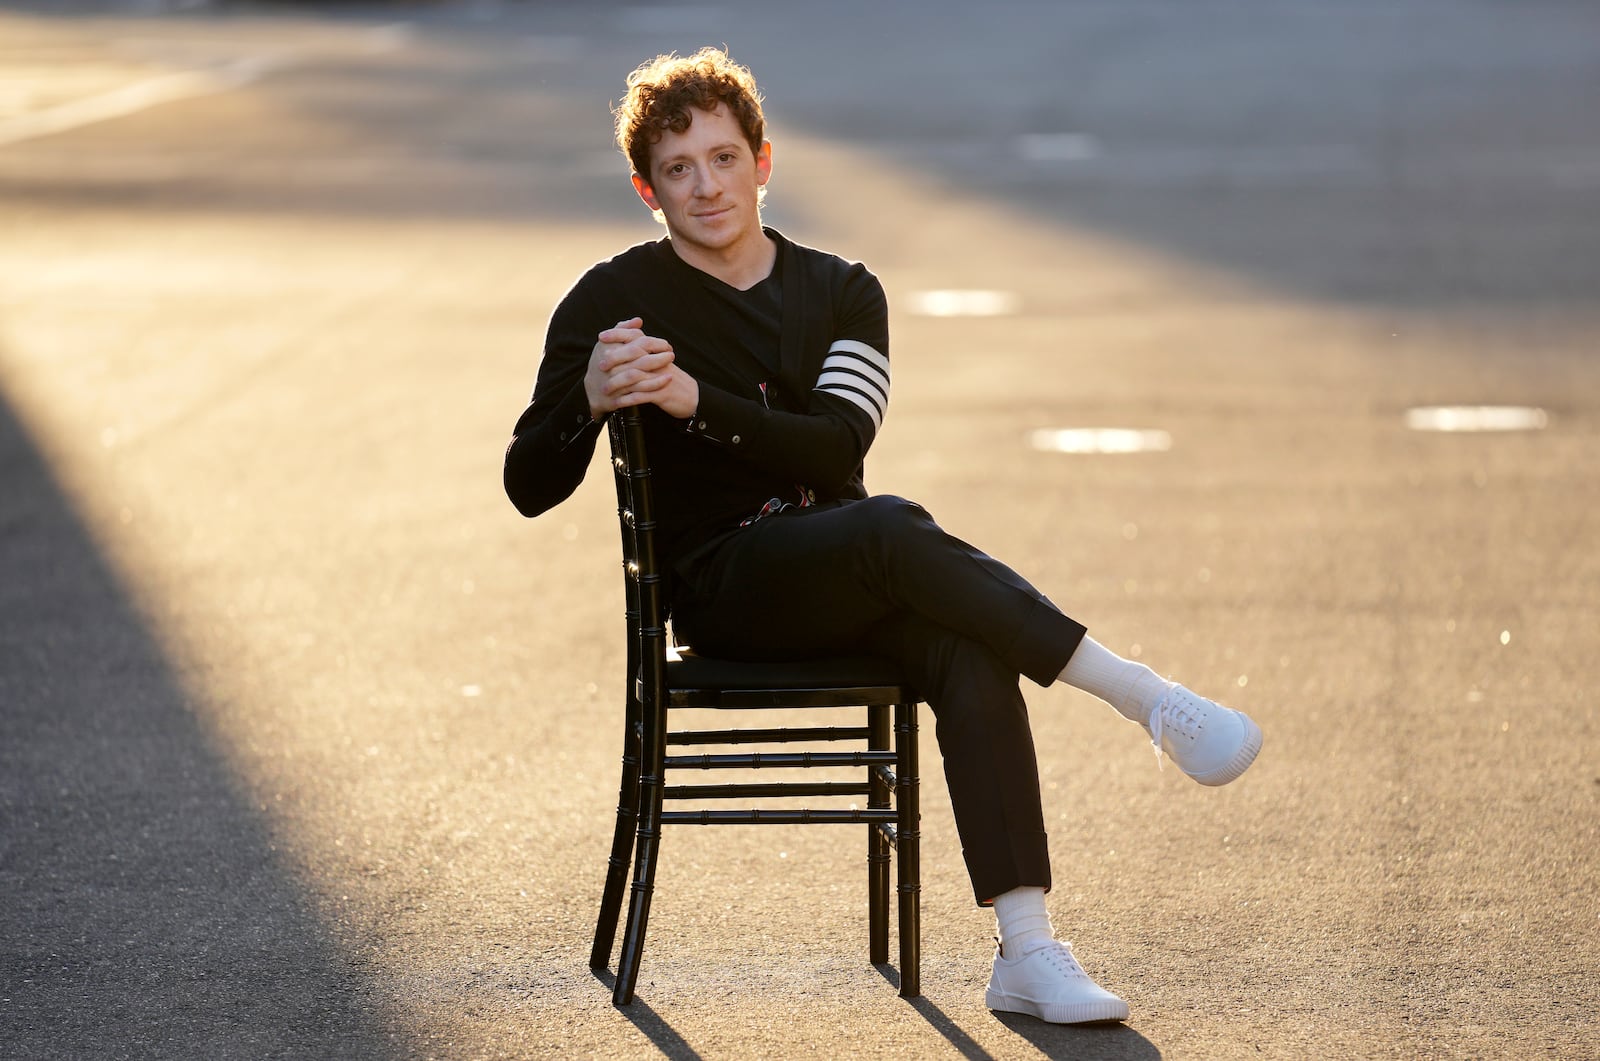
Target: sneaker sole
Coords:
[(1241, 759), (1105, 1011)]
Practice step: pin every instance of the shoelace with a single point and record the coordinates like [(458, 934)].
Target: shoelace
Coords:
[(1060, 955), (1183, 718)]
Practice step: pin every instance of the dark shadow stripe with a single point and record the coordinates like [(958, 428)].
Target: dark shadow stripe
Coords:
[(146, 912)]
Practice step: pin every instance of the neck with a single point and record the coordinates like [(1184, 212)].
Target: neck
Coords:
[(741, 265)]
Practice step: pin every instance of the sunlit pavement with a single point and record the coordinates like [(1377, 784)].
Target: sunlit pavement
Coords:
[(308, 742)]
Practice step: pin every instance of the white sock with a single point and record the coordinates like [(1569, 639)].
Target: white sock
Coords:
[(1132, 688), (1022, 920)]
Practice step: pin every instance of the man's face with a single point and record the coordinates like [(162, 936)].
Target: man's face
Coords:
[(704, 181)]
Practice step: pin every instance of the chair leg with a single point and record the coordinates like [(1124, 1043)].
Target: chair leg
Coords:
[(878, 797), (909, 849), (605, 929), (644, 879)]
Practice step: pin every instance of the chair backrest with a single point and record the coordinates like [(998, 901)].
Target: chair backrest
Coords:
[(891, 784), (646, 608)]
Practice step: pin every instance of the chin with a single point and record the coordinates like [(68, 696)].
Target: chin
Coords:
[(718, 238)]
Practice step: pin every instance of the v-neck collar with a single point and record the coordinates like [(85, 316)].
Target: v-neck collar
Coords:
[(792, 331)]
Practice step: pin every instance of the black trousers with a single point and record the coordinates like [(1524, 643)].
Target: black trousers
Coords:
[(880, 576)]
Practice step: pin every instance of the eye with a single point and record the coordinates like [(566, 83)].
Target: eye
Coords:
[(726, 156)]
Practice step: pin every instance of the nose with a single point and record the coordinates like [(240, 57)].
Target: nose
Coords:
[(706, 184)]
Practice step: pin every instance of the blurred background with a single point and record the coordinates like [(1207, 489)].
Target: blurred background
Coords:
[(1261, 336)]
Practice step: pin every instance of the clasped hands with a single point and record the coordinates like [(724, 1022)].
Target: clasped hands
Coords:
[(630, 368)]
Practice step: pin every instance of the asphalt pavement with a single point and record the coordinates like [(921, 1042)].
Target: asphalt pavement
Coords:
[(308, 742)]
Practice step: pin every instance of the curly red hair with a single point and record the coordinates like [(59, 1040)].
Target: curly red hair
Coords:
[(662, 92)]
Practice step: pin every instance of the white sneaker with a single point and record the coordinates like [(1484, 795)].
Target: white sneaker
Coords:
[(1048, 983), (1211, 743)]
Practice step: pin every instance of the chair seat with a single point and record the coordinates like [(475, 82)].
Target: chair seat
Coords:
[(692, 671)]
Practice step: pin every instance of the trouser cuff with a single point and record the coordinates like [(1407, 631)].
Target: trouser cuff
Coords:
[(1044, 642), (1028, 866)]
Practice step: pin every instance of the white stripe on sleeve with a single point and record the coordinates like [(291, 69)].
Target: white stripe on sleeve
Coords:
[(858, 374)]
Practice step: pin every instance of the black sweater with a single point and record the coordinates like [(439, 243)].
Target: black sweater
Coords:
[(755, 436)]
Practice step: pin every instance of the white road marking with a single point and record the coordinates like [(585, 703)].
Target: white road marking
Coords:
[(1100, 440), (963, 303), (1458, 418), (133, 98)]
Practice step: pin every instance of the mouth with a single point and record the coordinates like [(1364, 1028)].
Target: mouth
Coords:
[(711, 215)]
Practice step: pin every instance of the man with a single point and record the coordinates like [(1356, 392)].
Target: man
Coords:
[(764, 369)]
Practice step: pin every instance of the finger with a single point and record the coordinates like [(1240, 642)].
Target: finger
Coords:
[(649, 344), (640, 357), (654, 361), (613, 356), (631, 328), (631, 380), (653, 381)]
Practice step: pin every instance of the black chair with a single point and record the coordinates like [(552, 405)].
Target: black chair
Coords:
[(657, 684)]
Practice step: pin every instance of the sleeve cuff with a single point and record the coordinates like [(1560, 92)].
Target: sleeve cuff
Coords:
[(572, 419), (724, 418)]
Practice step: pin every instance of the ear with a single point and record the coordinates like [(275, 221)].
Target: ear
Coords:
[(764, 163), (646, 193)]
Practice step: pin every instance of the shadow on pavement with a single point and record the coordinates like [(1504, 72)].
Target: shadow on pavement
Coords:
[(146, 912), (650, 1023), (1092, 1042), (963, 1043), (1082, 1042), (960, 1040)]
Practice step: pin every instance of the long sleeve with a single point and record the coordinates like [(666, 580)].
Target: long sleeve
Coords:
[(554, 439)]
